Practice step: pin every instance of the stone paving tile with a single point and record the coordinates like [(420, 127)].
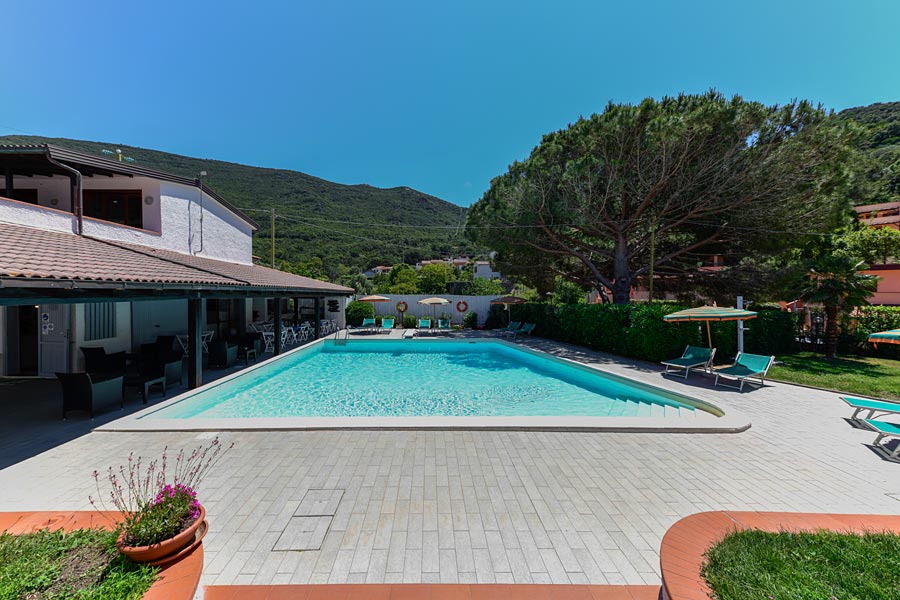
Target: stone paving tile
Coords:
[(492, 506)]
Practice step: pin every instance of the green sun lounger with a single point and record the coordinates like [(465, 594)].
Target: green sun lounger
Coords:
[(387, 324), (423, 325), (694, 357), (885, 430), (368, 324), (873, 406), (525, 329), (443, 325), (513, 326), (746, 366)]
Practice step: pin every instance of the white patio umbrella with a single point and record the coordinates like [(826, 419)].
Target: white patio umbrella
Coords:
[(506, 301), (434, 302)]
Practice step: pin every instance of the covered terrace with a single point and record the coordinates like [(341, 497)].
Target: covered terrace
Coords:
[(48, 268)]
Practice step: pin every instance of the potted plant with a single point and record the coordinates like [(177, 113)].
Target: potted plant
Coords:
[(161, 515)]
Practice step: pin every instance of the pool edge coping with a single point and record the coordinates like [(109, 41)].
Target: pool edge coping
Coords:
[(730, 421)]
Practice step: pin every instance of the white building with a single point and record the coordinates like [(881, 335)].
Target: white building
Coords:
[(484, 270), (105, 253)]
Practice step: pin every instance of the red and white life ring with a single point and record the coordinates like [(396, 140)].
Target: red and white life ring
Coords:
[(402, 306), (462, 306)]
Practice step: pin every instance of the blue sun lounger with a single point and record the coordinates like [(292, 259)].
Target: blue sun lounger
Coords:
[(873, 406), (745, 366), (885, 430), (694, 357)]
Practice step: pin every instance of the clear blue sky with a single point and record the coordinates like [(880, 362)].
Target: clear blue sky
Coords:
[(439, 96)]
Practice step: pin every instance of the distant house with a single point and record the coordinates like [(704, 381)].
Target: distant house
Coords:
[(379, 270), (459, 262), (883, 215), (880, 215), (484, 270), (107, 254)]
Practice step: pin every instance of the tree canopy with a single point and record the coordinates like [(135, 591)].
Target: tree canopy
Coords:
[(675, 180)]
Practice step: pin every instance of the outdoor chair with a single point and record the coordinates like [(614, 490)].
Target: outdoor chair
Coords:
[(423, 325), (885, 430), (443, 325), (387, 324), (222, 354), (873, 406), (746, 366), (147, 372), (101, 365), (694, 357), (81, 392), (513, 326), (525, 329)]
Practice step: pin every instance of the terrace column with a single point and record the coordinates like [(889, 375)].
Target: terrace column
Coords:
[(9, 182), (278, 326), (317, 308), (195, 348), (296, 311)]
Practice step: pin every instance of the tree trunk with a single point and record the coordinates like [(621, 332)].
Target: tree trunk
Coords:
[(831, 331), (621, 288)]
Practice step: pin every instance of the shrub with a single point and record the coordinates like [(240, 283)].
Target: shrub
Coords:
[(496, 317), (638, 330), (470, 320), (409, 321), (357, 311)]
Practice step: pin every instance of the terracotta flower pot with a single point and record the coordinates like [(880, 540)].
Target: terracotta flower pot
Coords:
[(143, 554)]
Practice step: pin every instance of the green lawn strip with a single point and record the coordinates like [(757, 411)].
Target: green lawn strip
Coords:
[(878, 377), (759, 565), (82, 564)]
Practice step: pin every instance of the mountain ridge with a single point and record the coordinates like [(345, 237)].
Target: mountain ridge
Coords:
[(316, 217)]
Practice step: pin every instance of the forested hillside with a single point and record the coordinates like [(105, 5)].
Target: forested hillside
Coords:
[(348, 227)]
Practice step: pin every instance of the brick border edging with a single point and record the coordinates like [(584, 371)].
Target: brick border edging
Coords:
[(683, 545), (176, 581)]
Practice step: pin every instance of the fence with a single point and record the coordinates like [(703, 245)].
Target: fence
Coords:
[(474, 304)]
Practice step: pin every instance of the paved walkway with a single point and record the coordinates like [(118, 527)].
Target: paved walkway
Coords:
[(485, 507)]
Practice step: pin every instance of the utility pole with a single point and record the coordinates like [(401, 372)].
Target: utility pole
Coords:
[(652, 257), (273, 237)]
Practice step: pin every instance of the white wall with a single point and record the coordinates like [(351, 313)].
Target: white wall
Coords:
[(159, 317), (477, 304), (179, 217), (21, 213)]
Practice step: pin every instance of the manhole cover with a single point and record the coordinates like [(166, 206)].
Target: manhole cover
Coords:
[(303, 533), (317, 503)]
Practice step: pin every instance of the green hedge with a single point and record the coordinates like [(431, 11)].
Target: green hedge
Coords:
[(638, 330), (869, 320), (357, 311)]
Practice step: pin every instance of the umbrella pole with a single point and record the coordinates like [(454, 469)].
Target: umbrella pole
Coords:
[(709, 334)]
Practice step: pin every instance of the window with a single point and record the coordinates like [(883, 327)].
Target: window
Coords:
[(99, 321), (25, 195), (117, 206)]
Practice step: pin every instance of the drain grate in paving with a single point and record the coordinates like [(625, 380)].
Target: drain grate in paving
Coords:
[(317, 503), (306, 530)]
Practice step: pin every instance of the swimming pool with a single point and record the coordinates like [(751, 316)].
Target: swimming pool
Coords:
[(424, 378)]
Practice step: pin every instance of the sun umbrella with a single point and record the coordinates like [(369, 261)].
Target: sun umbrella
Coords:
[(507, 301), (709, 314), (373, 299), (434, 302), (885, 337)]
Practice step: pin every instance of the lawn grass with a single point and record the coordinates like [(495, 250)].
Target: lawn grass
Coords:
[(82, 564), (758, 565), (878, 377)]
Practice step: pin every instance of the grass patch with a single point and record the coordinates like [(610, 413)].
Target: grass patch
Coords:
[(82, 564), (758, 565), (879, 377)]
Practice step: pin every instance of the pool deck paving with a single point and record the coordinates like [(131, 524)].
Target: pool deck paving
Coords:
[(476, 506)]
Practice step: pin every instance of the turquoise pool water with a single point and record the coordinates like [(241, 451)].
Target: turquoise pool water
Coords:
[(423, 378)]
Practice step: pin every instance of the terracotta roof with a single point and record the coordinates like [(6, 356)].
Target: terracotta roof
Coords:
[(251, 274), (41, 254), (29, 253)]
